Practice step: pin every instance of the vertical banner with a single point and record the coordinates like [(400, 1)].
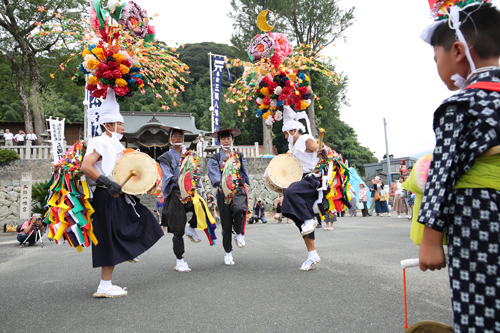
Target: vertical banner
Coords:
[(93, 129), (25, 207), (56, 138), (217, 87)]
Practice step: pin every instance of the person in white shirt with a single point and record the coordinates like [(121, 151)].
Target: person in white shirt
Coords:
[(32, 137), (8, 137), (19, 138), (399, 201)]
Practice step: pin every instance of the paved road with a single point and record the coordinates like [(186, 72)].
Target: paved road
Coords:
[(357, 286)]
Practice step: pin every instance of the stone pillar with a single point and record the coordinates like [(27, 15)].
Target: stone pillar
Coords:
[(25, 206)]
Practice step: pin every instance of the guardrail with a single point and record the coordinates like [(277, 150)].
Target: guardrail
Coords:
[(28, 151), (43, 152)]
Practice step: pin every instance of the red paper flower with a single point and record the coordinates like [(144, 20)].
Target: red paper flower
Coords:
[(266, 101), (91, 87), (151, 30), (108, 75), (117, 74), (302, 90), (100, 93)]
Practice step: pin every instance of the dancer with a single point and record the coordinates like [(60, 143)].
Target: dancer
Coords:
[(233, 215), (123, 227), (300, 196), (174, 211), (462, 193)]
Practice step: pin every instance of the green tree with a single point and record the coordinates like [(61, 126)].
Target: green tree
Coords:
[(18, 20)]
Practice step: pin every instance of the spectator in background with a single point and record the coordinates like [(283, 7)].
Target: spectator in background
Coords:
[(28, 230), (362, 193), (259, 213), (353, 210), (373, 190), (19, 138), (381, 206), (32, 137), (8, 137), (399, 201), (199, 145)]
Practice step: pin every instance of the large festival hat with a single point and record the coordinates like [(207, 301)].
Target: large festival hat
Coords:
[(109, 111), (233, 131)]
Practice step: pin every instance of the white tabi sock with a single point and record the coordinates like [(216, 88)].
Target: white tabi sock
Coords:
[(180, 261), (105, 284), (313, 254), (229, 255)]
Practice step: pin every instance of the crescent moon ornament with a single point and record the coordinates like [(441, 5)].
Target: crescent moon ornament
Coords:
[(262, 21)]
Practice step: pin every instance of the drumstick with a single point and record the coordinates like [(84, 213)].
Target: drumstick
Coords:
[(132, 174), (321, 134)]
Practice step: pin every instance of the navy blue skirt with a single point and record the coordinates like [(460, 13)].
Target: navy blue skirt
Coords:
[(120, 233), (299, 198)]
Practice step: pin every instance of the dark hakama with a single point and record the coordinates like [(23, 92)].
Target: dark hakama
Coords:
[(174, 218), (232, 216), (120, 233), (298, 200)]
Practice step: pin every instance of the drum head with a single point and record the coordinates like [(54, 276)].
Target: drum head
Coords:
[(229, 176), (282, 171), (146, 170), (186, 174)]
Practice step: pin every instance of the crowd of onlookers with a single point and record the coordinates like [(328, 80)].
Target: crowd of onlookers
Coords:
[(20, 138)]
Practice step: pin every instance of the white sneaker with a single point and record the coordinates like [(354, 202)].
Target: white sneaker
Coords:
[(228, 259), (389, 215), (110, 292), (381, 215), (308, 226), (182, 266), (239, 239), (193, 235), (309, 263), (399, 216)]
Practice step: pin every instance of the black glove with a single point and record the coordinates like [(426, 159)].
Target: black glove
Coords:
[(324, 152), (113, 187)]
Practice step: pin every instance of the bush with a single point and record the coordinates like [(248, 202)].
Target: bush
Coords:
[(8, 155), (38, 196)]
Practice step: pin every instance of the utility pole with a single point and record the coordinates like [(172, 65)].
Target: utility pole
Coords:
[(387, 154)]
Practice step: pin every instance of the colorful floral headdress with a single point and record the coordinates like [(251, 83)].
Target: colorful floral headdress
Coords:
[(120, 51), (273, 78)]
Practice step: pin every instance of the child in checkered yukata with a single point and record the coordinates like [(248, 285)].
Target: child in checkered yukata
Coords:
[(462, 194)]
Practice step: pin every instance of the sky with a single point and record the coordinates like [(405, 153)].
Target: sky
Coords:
[(391, 71)]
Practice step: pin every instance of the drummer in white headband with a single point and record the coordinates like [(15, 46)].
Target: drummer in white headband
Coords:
[(174, 211), (300, 196), (233, 215), (123, 227)]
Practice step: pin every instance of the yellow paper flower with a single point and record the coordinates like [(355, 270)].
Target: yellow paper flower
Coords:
[(118, 58), (124, 69), (307, 78), (264, 106), (92, 64), (120, 83), (265, 91), (99, 53), (303, 105), (266, 115), (93, 80)]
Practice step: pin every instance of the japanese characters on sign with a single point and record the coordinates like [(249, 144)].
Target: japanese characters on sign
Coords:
[(25, 206), (218, 68), (56, 138)]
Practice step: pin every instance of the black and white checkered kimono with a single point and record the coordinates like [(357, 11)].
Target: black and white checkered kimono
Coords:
[(466, 125)]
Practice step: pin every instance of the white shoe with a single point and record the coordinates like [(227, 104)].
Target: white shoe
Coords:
[(193, 235), (381, 215), (239, 239), (110, 292), (228, 259), (135, 260), (308, 226), (389, 215), (182, 266), (309, 263), (399, 216)]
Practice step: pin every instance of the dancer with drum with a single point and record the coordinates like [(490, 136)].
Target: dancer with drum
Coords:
[(232, 215), (300, 196), (174, 210), (124, 228)]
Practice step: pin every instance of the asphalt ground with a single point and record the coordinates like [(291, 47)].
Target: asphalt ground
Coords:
[(357, 286)]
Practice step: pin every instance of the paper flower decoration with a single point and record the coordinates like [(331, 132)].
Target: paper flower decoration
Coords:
[(135, 19), (125, 56), (440, 9), (283, 47), (261, 46)]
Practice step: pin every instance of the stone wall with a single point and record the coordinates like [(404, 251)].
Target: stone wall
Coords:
[(41, 170), (10, 185)]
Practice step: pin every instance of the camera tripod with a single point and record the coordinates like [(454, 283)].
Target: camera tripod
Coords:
[(38, 236)]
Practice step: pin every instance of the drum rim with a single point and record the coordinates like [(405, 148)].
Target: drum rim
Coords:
[(273, 179)]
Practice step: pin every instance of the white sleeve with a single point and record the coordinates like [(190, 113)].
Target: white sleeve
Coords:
[(107, 152)]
